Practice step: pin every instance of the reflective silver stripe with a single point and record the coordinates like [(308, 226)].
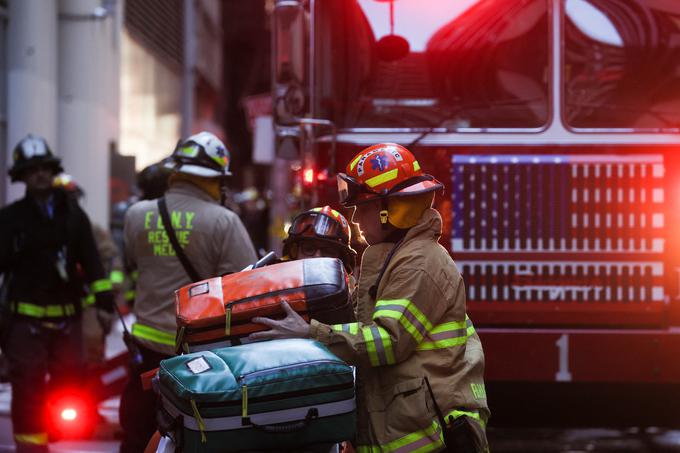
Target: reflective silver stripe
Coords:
[(416, 323), (265, 418), (448, 334), (379, 346)]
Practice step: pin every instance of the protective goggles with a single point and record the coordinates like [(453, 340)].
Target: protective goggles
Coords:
[(319, 225), (190, 152), (349, 190)]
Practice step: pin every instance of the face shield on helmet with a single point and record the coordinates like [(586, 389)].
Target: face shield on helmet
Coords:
[(317, 224), (323, 225)]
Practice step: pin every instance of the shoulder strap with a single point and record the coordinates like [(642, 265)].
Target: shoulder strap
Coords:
[(373, 290), (167, 224)]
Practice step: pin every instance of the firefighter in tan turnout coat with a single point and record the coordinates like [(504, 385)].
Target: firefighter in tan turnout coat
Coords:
[(214, 241), (412, 325)]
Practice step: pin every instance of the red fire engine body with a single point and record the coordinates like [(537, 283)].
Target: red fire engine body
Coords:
[(555, 127)]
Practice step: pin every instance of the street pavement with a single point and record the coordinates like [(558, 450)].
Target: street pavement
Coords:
[(502, 440), (104, 438)]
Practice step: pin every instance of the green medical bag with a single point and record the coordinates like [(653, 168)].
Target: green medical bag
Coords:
[(273, 395)]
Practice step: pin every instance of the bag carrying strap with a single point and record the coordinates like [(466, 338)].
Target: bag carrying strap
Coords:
[(163, 210)]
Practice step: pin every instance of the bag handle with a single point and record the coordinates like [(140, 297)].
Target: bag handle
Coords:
[(289, 427), (163, 211)]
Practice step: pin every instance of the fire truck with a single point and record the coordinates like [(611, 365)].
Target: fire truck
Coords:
[(555, 127)]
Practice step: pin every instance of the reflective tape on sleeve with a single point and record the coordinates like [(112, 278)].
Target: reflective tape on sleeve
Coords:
[(448, 335), (351, 328), (88, 300), (409, 316), (378, 345), (102, 285), (117, 277), (153, 334)]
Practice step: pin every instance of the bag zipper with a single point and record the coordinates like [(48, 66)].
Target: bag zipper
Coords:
[(293, 366), (245, 419)]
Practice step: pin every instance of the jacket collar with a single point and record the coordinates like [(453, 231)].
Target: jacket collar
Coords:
[(429, 225), (190, 190)]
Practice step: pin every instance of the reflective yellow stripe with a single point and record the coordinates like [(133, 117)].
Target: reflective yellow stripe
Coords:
[(151, 334), (416, 165), (117, 277), (378, 345), (425, 440), (31, 438), (383, 178), (352, 328), (447, 335), (134, 276), (409, 316), (99, 286), (129, 295), (355, 162), (42, 311), (88, 300), (473, 415)]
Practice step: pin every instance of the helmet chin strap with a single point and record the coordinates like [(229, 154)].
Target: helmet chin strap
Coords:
[(384, 215), (223, 185)]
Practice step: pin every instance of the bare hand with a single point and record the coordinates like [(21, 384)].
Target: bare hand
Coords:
[(292, 326)]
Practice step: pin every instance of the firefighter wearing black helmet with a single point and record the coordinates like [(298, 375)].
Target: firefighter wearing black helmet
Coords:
[(48, 258)]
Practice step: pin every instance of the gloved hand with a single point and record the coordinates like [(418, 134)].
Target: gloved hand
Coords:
[(105, 319), (105, 300)]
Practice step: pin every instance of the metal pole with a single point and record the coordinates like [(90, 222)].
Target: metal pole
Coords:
[(189, 63), (88, 88)]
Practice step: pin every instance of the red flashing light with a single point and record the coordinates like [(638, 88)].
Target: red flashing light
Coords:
[(71, 415), (308, 176)]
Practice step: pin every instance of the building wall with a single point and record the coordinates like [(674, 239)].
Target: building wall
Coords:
[(150, 104)]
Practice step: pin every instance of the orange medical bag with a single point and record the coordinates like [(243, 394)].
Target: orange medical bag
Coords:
[(217, 312)]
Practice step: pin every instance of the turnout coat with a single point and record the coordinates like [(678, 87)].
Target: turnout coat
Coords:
[(415, 327)]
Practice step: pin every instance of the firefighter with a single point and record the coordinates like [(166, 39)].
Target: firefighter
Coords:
[(320, 232), (214, 242), (420, 363), (153, 180), (47, 256), (94, 333)]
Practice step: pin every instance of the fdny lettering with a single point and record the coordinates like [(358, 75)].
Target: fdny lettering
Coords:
[(478, 390), (157, 238)]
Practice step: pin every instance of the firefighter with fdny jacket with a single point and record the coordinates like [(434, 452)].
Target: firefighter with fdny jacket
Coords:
[(214, 242), (420, 363), (47, 256)]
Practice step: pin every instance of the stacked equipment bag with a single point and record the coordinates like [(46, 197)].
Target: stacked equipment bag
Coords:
[(216, 312), (281, 395)]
